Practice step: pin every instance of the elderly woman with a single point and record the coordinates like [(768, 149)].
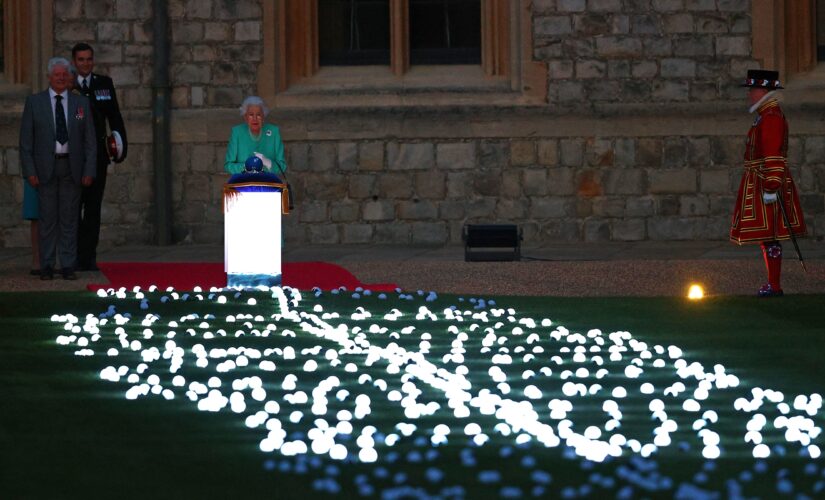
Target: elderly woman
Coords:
[(255, 138)]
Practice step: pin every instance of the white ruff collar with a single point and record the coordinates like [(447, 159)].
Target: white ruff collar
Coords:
[(765, 98)]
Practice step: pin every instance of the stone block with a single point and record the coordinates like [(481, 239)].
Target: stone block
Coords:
[(734, 5), (559, 69), (535, 182), (713, 228), (429, 233), (431, 185), (451, 210), (694, 46), (815, 149), (642, 206), (796, 151), (459, 184), (324, 187), (714, 181), (572, 152), (598, 152), (672, 228), (570, 5), (522, 153), (629, 230), (142, 31), (608, 206), (362, 187), (584, 207), (669, 90), (603, 90), (347, 156), (740, 23), (561, 181), (201, 53), (570, 92), (481, 209), (417, 210), (726, 151), (624, 151), (667, 205), (657, 46), (68, 9), (72, 31), (344, 211), (378, 210), (216, 32), (99, 9), (410, 156), (675, 153), (129, 9), (619, 46), (604, 5), (678, 68), (313, 211), (198, 9), (395, 186), (667, 5), (649, 152), (13, 162), (548, 152), (577, 48), (186, 73), (591, 69), (642, 6), (203, 158), (711, 23), (733, 46), (371, 156), (551, 207), (624, 181), (487, 182), (393, 233), (678, 23), (323, 234), (298, 153), (187, 32), (456, 155), (700, 5), (596, 230), (618, 69), (511, 183), (511, 210), (248, 31), (493, 154), (357, 233), (645, 24), (672, 181), (620, 24), (591, 24), (237, 9), (560, 230), (694, 205), (322, 156), (644, 69), (552, 26)]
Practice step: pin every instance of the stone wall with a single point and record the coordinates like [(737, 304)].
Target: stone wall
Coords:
[(642, 51), (641, 139)]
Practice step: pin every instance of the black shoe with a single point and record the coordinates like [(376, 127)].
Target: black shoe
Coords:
[(46, 274), (69, 275)]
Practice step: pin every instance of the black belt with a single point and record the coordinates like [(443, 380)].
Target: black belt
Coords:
[(61, 156)]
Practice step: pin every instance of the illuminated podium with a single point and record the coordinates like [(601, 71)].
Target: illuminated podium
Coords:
[(253, 205)]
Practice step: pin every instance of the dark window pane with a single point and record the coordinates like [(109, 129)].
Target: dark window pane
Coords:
[(353, 32), (445, 32)]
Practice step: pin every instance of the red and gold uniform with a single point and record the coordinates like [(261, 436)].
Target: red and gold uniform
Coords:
[(766, 171)]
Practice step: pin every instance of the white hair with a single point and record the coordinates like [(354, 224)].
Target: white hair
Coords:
[(253, 100), (58, 61)]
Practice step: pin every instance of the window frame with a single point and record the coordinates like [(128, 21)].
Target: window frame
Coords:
[(290, 76)]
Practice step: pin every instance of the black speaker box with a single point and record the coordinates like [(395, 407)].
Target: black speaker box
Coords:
[(491, 242)]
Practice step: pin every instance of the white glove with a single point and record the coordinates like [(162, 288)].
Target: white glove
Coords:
[(266, 161), (769, 198)]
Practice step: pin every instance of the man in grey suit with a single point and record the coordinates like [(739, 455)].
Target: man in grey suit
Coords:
[(58, 155)]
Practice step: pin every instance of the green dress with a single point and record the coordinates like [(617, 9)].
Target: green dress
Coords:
[(242, 145)]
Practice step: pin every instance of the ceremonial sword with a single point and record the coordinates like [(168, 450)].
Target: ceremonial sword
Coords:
[(790, 231)]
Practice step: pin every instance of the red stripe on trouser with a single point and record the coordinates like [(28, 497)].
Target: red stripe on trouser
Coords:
[(772, 253)]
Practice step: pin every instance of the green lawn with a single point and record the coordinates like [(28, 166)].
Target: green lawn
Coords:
[(65, 433)]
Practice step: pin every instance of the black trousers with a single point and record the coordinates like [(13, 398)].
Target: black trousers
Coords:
[(88, 234)]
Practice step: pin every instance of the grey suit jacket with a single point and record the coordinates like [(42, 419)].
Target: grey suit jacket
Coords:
[(37, 137)]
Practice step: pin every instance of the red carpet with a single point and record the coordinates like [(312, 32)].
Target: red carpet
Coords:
[(188, 275)]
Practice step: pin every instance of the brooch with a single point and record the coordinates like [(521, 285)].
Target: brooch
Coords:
[(79, 115), (269, 133)]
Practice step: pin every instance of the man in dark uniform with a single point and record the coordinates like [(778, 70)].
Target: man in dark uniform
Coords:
[(101, 93)]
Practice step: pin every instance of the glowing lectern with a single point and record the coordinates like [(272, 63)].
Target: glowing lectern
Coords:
[(253, 204)]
